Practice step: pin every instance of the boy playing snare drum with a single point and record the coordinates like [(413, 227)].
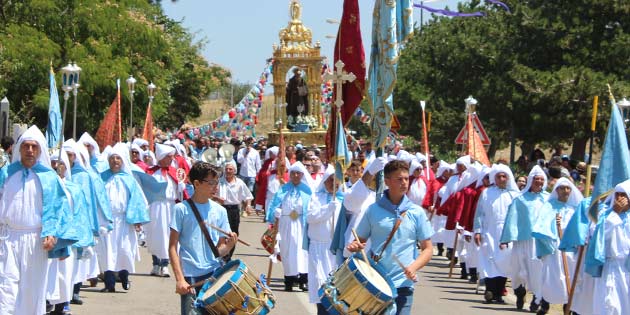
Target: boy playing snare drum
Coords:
[(378, 223), (195, 261)]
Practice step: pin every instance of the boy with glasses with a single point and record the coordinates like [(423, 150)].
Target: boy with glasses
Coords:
[(190, 254)]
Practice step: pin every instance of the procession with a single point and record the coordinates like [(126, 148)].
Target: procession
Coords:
[(334, 185)]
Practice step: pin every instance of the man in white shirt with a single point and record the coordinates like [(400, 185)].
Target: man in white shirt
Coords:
[(233, 194), (249, 161)]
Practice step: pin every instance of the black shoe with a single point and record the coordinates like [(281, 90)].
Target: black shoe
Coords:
[(533, 307), (126, 285), (304, 287), (108, 290), (488, 296), (499, 301), (49, 307), (288, 287), (76, 299), (541, 312), (520, 297)]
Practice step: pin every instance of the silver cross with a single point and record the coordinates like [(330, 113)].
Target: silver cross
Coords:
[(339, 77)]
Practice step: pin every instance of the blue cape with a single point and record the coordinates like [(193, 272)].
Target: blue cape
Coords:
[(96, 199), (519, 221), (545, 231), (305, 194), (137, 208), (56, 214), (576, 232), (81, 215)]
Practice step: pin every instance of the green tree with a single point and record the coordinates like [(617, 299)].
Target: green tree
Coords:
[(534, 71), (108, 40)]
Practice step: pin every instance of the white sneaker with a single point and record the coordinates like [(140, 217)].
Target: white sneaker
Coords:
[(164, 272), (155, 271)]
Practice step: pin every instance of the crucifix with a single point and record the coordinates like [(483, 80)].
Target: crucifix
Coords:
[(279, 107), (339, 77)]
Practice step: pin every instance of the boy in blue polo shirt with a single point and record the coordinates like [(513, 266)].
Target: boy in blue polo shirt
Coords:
[(377, 224), (195, 261)]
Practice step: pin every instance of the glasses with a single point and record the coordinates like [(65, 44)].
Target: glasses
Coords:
[(211, 182)]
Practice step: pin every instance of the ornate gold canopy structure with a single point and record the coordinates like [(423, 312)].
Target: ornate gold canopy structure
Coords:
[(296, 49)]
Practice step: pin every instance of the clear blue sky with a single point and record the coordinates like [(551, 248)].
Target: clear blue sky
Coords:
[(240, 34)]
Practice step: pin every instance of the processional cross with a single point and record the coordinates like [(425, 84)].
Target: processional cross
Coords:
[(339, 77), (280, 106)]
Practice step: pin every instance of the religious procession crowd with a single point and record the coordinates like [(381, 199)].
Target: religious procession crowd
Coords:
[(77, 214)]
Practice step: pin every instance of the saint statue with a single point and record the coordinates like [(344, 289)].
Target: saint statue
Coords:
[(297, 95)]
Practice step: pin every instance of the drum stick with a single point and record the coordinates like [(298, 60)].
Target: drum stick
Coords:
[(402, 266), (354, 232), (228, 234), (200, 283)]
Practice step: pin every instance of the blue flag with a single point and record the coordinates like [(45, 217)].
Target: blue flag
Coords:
[(53, 131), (391, 27), (614, 166), (342, 155)]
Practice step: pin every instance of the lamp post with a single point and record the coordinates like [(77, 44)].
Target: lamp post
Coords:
[(131, 83), (67, 85), (624, 106), (151, 90), (75, 90), (4, 109)]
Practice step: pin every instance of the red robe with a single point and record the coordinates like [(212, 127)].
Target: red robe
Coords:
[(432, 189), (262, 179), (171, 172), (181, 163), (470, 207), (142, 165)]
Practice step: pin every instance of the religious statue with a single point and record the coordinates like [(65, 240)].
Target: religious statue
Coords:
[(297, 95), (296, 10)]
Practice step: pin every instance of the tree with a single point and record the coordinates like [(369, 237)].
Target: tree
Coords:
[(108, 41), (534, 71)]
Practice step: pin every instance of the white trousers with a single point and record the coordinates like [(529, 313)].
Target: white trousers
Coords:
[(23, 273)]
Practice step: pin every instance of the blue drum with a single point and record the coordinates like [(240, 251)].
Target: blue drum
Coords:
[(357, 287), (233, 289)]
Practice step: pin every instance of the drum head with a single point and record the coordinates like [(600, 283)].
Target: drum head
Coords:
[(229, 272), (373, 276)]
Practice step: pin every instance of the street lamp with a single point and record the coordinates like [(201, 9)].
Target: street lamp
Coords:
[(4, 109), (471, 103), (131, 83), (624, 106), (67, 85), (151, 90), (76, 71)]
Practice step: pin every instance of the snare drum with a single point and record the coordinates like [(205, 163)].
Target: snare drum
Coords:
[(357, 287), (233, 289)]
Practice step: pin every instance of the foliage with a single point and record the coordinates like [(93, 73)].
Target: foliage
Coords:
[(108, 40), (534, 71)]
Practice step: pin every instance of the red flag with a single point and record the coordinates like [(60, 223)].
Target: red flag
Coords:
[(474, 146), (110, 131), (349, 49), (147, 134)]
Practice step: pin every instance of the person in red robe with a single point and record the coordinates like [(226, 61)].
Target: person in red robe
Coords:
[(262, 179), (431, 199)]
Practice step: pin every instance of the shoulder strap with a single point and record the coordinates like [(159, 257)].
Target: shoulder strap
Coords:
[(204, 229), (391, 235)]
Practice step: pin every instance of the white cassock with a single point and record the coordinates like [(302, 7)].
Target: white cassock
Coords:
[(61, 273), (24, 269), (554, 288), (157, 231), (290, 235), (417, 190), (321, 260), (489, 220), (612, 288), (356, 201), (118, 248), (442, 235), (273, 185)]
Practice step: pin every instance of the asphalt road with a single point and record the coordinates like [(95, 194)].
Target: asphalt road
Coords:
[(435, 293)]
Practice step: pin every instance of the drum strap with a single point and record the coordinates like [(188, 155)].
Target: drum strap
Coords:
[(204, 229), (390, 236)]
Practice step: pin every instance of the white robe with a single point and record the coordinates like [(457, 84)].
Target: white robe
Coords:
[(157, 231), (273, 185), (290, 236), (612, 288), (24, 268), (321, 226), (356, 202), (417, 190), (118, 248), (442, 235), (489, 220), (553, 285)]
